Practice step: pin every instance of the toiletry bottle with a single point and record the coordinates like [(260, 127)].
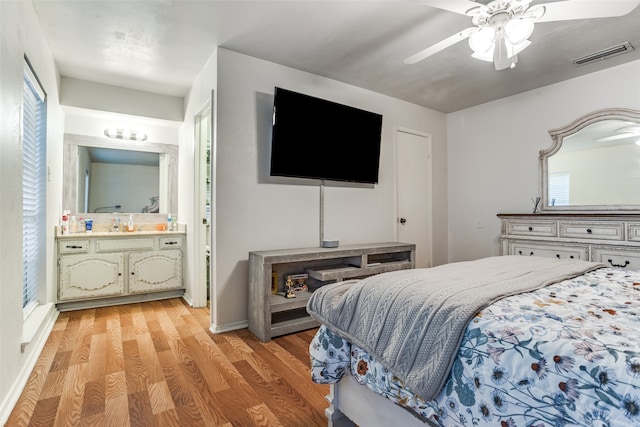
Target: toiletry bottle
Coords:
[(130, 223), (81, 226), (73, 224), (65, 222), (169, 221)]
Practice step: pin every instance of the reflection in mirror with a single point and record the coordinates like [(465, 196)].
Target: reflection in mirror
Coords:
[(594, 163), (118, 180), (102, 176)]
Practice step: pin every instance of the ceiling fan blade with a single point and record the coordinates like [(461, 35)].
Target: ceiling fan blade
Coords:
[(617, 137), (585, 9), (449, 41), (457, 6)]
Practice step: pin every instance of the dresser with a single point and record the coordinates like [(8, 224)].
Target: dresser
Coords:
[(612, 239)]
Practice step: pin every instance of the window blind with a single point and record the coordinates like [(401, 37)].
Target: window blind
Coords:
[(33, 188), (559, 189)]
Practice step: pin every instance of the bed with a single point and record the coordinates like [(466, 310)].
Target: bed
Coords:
[(563, 351)]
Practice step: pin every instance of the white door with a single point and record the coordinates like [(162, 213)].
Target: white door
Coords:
[(413, 165)]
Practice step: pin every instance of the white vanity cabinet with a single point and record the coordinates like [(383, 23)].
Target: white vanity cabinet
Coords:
[(97, 269), (612, 239)]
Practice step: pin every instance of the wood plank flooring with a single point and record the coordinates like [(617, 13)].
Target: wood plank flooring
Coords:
[(156, 364)]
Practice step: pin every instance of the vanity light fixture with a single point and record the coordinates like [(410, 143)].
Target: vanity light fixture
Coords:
[(126, 134)]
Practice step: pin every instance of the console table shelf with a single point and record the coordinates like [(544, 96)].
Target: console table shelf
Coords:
[(273, 315)]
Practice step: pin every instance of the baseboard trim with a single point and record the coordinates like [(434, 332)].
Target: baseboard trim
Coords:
[(218, 329), (34, 346), (188, 299)]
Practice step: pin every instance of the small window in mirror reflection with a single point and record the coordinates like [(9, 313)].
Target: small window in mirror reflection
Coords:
[(86, 191), (559, 189)]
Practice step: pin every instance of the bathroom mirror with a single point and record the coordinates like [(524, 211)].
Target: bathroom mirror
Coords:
[(593, 164), (102, 175)]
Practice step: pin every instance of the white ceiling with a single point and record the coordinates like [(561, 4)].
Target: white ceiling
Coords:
[(161, 45)]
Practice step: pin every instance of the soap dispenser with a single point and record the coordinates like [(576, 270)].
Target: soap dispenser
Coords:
[(130, 223)]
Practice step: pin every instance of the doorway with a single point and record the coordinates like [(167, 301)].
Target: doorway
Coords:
[(203, 207), (414, 192)]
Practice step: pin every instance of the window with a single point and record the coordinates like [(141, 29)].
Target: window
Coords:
[(559, 189), (34, 126)]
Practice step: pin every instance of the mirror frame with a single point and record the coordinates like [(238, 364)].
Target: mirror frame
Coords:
[(70, 162), (558, 136)]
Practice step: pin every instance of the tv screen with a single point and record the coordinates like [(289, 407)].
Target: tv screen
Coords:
[(320, 139)]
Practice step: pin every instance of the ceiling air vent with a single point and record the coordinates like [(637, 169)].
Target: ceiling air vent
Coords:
[(604, 54)]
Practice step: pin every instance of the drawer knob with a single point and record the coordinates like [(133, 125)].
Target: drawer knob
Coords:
[(530, 228), (589, 230), (618, 265)]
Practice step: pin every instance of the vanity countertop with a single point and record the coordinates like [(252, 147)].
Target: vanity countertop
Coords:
[(143, 230)]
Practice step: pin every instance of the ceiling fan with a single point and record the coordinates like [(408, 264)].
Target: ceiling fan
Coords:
[(502, 27)]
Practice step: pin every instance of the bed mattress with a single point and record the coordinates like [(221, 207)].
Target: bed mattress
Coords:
[(566, 354)]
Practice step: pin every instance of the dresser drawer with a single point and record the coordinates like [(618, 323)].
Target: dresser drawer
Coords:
[(530, 228), (634, 233), (73, 246), (548, 250), (626, 258), (595, 231)]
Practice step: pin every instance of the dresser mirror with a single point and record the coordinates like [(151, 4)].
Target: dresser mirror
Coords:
[(102, 175), (593, 164)]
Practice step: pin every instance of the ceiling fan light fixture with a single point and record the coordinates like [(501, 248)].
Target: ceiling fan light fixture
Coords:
[(516, 49), (482, 40), (501, 55), (518, 30)]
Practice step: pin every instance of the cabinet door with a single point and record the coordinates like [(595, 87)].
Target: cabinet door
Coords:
[(155, 271), (88, 276)]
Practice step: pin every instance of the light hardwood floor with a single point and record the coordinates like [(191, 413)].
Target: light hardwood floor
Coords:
[(156, 364)]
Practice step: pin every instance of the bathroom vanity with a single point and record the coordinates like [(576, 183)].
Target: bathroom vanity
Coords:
[(106, 268)]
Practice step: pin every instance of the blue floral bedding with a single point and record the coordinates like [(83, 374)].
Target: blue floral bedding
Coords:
[(567, 354)]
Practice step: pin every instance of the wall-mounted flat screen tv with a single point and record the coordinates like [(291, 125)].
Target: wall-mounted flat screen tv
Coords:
[(320, 139)]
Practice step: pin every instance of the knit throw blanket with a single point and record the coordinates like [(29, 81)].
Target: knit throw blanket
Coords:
[(412, 321)]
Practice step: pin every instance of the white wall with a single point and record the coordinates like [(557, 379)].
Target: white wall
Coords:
[(98, 96), (20, 34), (254, 212), (493, 151), (199, 96)]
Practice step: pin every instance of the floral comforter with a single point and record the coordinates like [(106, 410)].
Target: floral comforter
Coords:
[(567, 354)]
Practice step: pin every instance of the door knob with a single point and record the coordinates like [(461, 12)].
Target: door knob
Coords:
[(403, 221)]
